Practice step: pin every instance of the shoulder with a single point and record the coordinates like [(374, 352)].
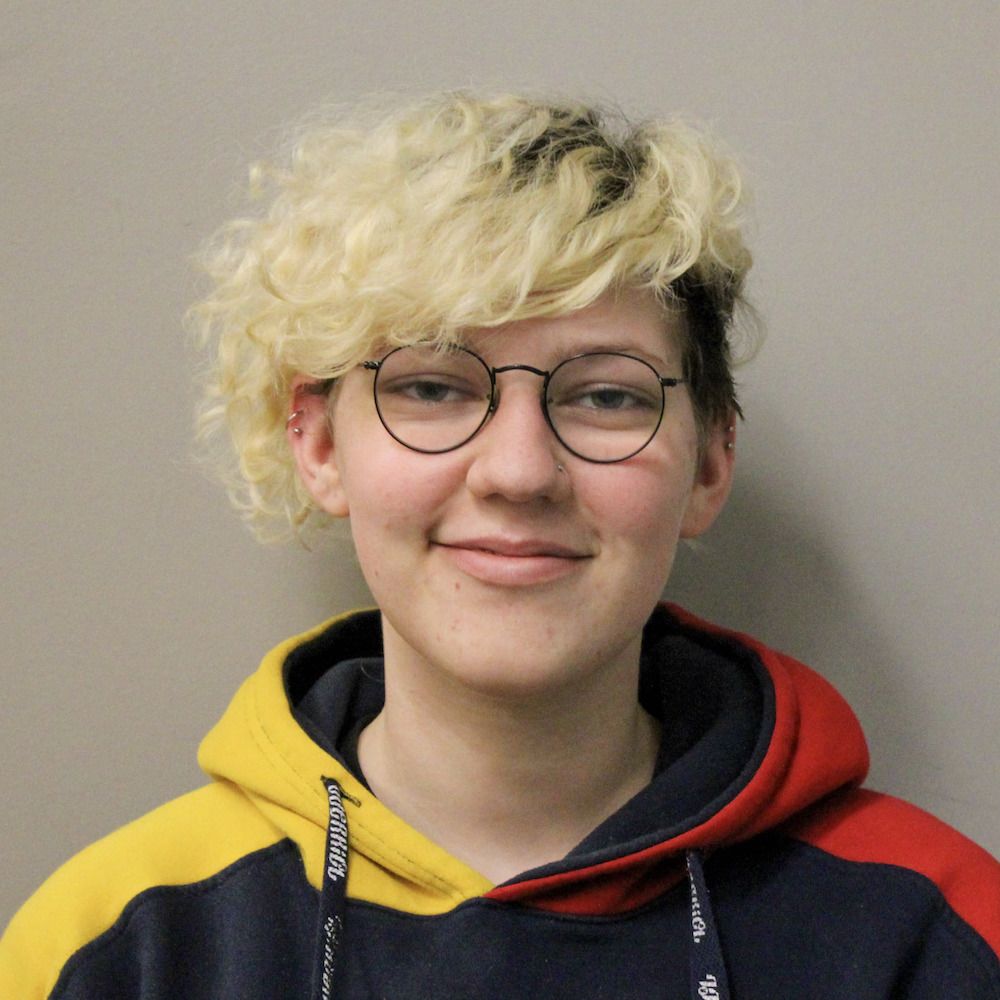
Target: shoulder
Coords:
[(868, 827), (186, 840)]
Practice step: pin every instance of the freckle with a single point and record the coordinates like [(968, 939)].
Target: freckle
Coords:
[(458, 586)]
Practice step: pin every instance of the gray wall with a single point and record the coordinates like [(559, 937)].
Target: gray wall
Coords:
[(862, 535)]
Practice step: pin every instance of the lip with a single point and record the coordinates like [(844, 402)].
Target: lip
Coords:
[(512, 562)]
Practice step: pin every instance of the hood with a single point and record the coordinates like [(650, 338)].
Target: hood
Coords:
[(751, 738)]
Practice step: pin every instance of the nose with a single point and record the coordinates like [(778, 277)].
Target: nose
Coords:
[(516, 455)]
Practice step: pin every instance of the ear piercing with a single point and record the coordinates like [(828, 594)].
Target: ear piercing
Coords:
[(295, 416), (730, 444)]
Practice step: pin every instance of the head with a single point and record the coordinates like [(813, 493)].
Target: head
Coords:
[(452, 214)]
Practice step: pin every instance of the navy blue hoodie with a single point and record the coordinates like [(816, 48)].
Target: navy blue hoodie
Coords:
[(753, 867)]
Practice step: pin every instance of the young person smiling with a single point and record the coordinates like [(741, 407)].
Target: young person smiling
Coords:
[(493, 335), (481, 559)]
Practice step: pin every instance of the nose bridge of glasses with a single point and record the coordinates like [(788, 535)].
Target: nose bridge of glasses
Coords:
[(495, 401), (521, 368)]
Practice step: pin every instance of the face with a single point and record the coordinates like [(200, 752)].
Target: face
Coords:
[(510, 565)]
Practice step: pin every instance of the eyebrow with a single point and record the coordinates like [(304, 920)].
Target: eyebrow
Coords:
[(617, 347), (660, 363)]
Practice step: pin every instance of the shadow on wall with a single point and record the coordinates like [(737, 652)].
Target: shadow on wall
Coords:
[(769, 567)]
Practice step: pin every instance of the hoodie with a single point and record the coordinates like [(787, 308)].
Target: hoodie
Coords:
[(754, 866)]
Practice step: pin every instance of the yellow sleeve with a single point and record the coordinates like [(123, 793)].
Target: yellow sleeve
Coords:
[(186, 840)]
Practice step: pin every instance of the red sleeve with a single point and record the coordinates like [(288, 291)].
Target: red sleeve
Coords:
[(861, 825)]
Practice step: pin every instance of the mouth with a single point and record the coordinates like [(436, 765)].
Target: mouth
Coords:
[(512, 562), (516, 548)]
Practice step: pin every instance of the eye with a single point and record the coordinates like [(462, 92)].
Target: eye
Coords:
[(615, 390), (430, 388), (606, 397), (428, 394)]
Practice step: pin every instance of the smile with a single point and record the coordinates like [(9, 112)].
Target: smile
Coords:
[(512, 563)]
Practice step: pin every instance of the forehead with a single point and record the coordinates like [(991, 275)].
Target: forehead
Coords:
[(632, 321)]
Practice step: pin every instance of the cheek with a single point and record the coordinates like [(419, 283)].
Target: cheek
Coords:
[(654, 527), (380, 477), (646, 501), (394, 500), (643, 514)]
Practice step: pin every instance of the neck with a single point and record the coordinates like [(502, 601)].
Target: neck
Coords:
[(508, 782)]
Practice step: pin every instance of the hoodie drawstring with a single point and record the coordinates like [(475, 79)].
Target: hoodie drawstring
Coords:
[(708, 969), (330, 926)]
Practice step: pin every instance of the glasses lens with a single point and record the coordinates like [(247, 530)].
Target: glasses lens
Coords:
[(432, 399), (605, 407)]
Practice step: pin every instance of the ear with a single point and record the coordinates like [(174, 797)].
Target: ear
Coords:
[(713, 479), (310, 438)]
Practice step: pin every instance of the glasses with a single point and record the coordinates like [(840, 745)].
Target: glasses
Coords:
[(603, 407)]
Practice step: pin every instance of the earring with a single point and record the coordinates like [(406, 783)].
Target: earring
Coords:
[(295, 416), (730, 445)]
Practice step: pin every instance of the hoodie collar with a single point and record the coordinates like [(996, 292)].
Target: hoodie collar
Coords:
[(261, 747), (753, 737)]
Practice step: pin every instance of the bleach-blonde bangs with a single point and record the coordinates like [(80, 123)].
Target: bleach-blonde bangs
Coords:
[(415, 225)]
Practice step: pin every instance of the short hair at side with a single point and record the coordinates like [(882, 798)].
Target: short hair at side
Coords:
[(386, 227)]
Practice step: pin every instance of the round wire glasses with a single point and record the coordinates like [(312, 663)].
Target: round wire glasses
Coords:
[(603, 406)]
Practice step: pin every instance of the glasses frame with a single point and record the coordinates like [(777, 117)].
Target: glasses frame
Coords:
[(665, 383)]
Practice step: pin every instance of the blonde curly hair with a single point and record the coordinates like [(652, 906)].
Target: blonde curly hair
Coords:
[(386, 228)]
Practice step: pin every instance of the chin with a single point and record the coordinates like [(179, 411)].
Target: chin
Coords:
[(524, 663), (519, 682)]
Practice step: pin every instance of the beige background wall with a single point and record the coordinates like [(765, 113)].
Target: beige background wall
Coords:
[(862, 535)]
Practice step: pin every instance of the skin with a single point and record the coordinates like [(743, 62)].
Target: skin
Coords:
[(514, 580)]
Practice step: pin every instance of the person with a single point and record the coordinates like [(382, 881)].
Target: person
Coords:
[(495, 334)]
